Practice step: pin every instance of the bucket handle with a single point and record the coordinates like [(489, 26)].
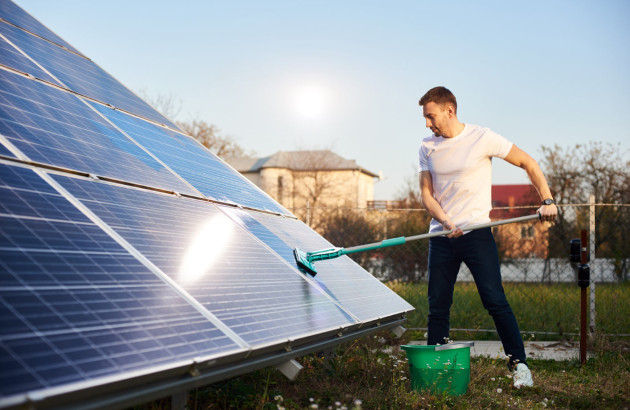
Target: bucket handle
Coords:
[(457, 345)]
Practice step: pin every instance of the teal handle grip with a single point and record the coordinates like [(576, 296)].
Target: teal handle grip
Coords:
[(394, 241), (378, 245)]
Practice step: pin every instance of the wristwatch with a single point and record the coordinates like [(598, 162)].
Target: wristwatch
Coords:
[(548, 201)]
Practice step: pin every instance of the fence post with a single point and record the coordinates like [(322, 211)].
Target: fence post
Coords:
[(593, 312)]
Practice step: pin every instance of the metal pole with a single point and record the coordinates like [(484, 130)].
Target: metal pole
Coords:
[(592, 262), (583, 261)]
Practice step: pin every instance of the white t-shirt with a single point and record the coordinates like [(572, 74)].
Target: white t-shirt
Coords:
[(461, 168)]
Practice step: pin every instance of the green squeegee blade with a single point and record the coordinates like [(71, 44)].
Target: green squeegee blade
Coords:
[(302, 260)]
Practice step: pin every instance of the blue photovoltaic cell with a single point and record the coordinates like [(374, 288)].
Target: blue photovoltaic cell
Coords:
[(53, 127), (74, 305), (203, 170), (239, 280), (11, 57), (342, 279), (80, 74), (14, 14)]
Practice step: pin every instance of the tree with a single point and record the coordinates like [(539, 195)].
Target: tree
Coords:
[(167, 104), (408, 262), (349, 228), (314, 184), (575, 173), (209, 136)]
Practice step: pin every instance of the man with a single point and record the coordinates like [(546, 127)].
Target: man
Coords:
[(455, 183)]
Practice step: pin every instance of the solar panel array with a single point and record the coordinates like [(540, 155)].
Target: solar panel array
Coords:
[(128, 249)]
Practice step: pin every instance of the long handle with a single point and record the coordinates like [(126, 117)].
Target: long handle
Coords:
[(401, 240)]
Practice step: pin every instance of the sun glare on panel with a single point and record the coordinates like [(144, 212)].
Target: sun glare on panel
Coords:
[(311, 101), (205, 247)]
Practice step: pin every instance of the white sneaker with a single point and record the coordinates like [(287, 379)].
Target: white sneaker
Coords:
[(522, 376)]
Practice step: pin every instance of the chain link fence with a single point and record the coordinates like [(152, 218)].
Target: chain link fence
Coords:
[(539, 279)]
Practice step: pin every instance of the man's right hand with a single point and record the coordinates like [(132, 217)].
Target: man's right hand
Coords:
[(449, 225)]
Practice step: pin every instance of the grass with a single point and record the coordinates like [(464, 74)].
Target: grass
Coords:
[(538, 307), (372, 372)]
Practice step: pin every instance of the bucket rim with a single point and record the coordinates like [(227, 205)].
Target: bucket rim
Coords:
[(448, 346)]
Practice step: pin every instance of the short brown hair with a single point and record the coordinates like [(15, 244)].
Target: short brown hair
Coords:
[(439, 95)]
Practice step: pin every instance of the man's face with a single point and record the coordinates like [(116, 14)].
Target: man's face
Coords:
[(437, 117)]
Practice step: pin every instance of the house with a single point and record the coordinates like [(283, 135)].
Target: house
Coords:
[(304, 181), (513, 197), (524, 239)]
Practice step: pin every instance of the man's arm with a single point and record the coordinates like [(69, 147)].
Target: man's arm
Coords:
[(521, 159), (433, 207)]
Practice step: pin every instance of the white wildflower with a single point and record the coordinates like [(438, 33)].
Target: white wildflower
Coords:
[(499, 390)]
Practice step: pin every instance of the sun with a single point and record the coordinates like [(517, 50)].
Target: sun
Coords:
[(311, 101)]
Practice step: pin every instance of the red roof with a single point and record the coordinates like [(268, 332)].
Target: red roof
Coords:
[(513, 196)]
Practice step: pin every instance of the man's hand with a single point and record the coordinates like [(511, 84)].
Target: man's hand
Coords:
[(548, 212), (448, 225)]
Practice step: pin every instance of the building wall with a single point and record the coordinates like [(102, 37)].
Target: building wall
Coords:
[(527, 240), (306, 193)]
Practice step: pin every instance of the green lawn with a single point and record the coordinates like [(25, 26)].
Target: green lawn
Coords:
[(538, 307)]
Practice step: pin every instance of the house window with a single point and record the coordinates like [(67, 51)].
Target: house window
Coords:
[(280, 189), (527, 232)]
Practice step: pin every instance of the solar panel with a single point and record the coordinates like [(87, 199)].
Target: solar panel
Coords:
[(13, 58), (342, 279), (80, 74), (74, 305), (5, 151), (10, 12), (133, 261), (247, 286), (207, 173), (53, 127)]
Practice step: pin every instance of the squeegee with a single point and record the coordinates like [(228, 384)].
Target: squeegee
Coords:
[(306, 260)]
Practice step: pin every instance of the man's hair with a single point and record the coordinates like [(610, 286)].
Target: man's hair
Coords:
[(439, 95)]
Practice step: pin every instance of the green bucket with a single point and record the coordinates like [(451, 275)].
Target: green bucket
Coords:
[(443, 368)]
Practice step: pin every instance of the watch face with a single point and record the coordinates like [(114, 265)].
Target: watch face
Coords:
[(548, 201)]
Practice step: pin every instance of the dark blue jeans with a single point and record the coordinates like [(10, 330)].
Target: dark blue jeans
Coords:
[(478, 251)]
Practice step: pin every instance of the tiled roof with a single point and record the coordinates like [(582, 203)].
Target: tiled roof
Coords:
[(317, 160)]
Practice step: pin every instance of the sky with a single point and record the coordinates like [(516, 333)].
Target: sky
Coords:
[(347, 75)]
